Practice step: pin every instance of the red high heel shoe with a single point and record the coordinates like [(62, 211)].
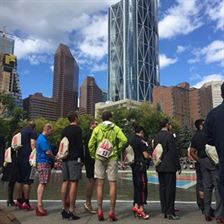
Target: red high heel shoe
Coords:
[(143, 215), (135, 211), (112, 217), (18, 204), (220, 220), (40, 211), (100, 215), (27, 207)]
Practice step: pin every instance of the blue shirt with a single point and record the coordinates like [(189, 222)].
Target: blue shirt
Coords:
[(42, 147)]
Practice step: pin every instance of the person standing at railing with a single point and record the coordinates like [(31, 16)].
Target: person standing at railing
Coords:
[(214, 129), (167, 169), (139, 172), (89, 165)]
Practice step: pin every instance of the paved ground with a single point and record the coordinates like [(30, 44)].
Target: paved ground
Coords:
[(189, 214)]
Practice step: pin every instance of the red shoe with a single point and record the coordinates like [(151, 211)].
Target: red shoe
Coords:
[(143, 215), (208, 218), (27, 207), (18, 204), (135, 211), (100, 215), (220, 220), (112, 217), (40, 211)]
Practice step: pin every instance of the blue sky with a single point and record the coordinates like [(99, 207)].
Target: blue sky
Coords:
[(191, 39)]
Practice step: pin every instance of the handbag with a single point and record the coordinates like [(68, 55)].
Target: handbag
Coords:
[(129, 155), (17, 141), (8, 156), (32, 158), (63, 148), (157, 154), (212, 154)]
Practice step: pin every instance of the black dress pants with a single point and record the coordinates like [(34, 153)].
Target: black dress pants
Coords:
[(139, 176), (167, 190)]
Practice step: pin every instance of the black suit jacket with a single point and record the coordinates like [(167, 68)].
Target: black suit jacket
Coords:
[(170, 158)]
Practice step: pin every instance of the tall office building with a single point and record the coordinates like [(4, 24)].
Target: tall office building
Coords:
[(9, 77), (66, 77), (90, 94), (133, 50)]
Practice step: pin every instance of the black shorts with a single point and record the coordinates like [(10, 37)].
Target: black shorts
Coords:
[(24, 170), (89, 165)]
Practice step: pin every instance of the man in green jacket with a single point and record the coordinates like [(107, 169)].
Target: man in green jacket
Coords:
[(106, 142)]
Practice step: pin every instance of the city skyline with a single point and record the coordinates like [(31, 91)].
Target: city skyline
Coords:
[(191, 40)]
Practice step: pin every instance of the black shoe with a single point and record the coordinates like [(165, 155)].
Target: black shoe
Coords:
[(73, 216), (10, 203), (165, 216), (173, 217), (64, 214)]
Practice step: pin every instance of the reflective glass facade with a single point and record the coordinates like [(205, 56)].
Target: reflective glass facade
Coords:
[(6, 45), (133, 50)]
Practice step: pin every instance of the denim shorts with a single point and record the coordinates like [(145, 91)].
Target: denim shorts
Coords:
[(71, 170)]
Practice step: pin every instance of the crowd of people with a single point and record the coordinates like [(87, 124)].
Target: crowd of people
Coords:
[(99, 151)]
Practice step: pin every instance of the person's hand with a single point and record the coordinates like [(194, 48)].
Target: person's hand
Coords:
[(179, 171)]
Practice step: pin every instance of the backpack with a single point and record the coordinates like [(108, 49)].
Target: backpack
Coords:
[(212, 154), (17, 141), (63, 148), (157, 154), (104, 148), (129, 155)]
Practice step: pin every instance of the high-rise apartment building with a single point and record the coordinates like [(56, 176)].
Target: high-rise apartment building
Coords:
[(216, 92), (37, 106), (90, 94), (9, 77), (133, 50), (184, 103), (65, 84)]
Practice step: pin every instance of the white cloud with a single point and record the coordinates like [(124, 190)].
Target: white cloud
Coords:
[(181, 49), (215, 11), (99, 67), (165, 61), (24, 47), (209, 78), (180, 19), (213, 53)]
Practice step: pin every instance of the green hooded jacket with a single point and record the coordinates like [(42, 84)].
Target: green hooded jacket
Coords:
[(114, 135)]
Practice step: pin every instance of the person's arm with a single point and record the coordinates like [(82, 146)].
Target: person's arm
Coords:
[(47, 150), (33, 144), (193, 153), (93, 143), (122, 139), (208, 128)]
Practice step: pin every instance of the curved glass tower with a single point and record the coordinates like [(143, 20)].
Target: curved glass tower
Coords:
[(133, 50)]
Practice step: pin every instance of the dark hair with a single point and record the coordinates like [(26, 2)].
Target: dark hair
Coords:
[(72, 116), (31, 123), (164, 122), (106, 115), (138, 128), (198, 123), (92, 122), (222, 90)]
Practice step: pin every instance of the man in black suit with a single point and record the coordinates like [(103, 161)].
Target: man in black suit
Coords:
[(214, 128), (167, 169)]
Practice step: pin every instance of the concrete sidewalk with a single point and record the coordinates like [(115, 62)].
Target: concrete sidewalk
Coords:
[(189, 214)]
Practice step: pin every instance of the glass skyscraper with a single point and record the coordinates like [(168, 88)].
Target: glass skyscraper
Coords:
[(133, 50)]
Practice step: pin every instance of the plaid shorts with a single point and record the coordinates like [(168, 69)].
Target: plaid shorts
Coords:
[(44, 172)]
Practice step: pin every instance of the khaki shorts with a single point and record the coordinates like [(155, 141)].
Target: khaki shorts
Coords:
[(102, 167)]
